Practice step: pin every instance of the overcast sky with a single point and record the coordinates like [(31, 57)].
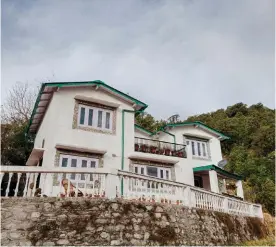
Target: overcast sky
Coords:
[(185, 57)]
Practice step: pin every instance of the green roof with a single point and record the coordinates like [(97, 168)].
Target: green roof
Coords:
[(218, 170), (200, 124), (47, 90), (142, 129)]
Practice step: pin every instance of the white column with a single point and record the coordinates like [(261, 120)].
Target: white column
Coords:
[(111, 183), (239, 189), (213, 177)]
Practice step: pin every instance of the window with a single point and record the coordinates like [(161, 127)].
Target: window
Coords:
[(200, 148), (193, 148), (198, 181), (90, 117), (78, 162), (154, 171), (94, 117)]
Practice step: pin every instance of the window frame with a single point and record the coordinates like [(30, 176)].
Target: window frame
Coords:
[(77, 178), (200, 148), (95, 118), (160, 169)]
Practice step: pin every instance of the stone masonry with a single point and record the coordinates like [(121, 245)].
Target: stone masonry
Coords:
[(85, 222)]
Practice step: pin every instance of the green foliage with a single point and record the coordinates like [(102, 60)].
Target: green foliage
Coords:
[(15, 149), (148, 122), (250, 151)]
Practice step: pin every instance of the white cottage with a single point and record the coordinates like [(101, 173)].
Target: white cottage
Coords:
[(88, 125)]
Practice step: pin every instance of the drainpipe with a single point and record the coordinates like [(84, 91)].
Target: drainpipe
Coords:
[(123, 145)]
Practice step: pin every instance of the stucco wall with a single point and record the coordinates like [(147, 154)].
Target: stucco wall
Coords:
[(52, 221), (56, 128)]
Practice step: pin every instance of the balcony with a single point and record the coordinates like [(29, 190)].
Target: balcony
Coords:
[(159, 147)]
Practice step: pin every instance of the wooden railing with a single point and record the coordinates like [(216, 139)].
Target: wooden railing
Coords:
[(22, 181), (159, 147)]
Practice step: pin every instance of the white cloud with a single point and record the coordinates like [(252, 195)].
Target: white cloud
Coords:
[(185, 57)]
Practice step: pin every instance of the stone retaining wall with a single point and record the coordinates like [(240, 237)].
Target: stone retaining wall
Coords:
[(79, 221)]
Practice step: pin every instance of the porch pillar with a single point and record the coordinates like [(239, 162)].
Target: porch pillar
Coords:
[(239, 189), (213, 177)]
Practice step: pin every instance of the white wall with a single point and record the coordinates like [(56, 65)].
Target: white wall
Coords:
[(56, 128), (184, 169), (141, 134)]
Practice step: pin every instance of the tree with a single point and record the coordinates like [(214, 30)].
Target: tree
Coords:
[(19, 104), (16, 112)]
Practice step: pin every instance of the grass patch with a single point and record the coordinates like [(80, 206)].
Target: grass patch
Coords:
[(268, 241)]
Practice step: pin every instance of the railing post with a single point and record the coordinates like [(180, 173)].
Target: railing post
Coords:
[(187, 197), (111, 182), (225, 205)]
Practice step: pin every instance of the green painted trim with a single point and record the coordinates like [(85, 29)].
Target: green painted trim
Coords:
[(82, 83), (143, 129), (218, 170), (199, 124), (35, 107)]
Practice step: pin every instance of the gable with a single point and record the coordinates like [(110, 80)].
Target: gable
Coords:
[(197, 129), (47, 91)]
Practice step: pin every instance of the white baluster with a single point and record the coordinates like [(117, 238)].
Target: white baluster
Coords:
[(86, 176), (52, 184), (77, 185), (60, 184), (34, 187), (1, 177), (43, 183), (26, 185), (17, 184), (68, 192), (8, 186)]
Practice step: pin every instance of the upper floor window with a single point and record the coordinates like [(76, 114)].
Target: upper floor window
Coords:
[(95, 117), (200, 148)]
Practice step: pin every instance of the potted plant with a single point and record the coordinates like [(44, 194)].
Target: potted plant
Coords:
[(153, 149), (180, 154), (167, 151), (144, 148), (136, 147)]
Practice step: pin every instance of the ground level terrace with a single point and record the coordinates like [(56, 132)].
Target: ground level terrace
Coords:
[(111, 183)]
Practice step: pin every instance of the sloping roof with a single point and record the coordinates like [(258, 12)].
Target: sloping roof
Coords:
[(47, 90), (143, 129), (218, 170), (201, 125)]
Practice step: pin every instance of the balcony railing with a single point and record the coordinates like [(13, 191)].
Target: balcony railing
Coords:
[(159, 147), (20, 181)]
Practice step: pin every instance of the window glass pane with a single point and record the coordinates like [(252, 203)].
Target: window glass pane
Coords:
[(142, 170), (152, 171), (90, 117), (193, 148), (167, 175), (73, 163), (100, 118), (198, 149), (161, 174), (82, 114), (136, 169), (93, 164), (64, 162), (107, 120), (84, 163), (204, 149), (73, 176), (83, 176)]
